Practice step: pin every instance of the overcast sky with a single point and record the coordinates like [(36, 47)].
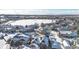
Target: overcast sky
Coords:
[(40, 11)]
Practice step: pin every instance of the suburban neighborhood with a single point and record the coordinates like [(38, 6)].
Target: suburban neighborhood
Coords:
[(39, 31)]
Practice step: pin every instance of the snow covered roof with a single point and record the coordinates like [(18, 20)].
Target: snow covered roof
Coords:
[(66, 44), (22, 35)]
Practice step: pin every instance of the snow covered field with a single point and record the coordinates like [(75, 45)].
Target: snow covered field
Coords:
[(29, 22)]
